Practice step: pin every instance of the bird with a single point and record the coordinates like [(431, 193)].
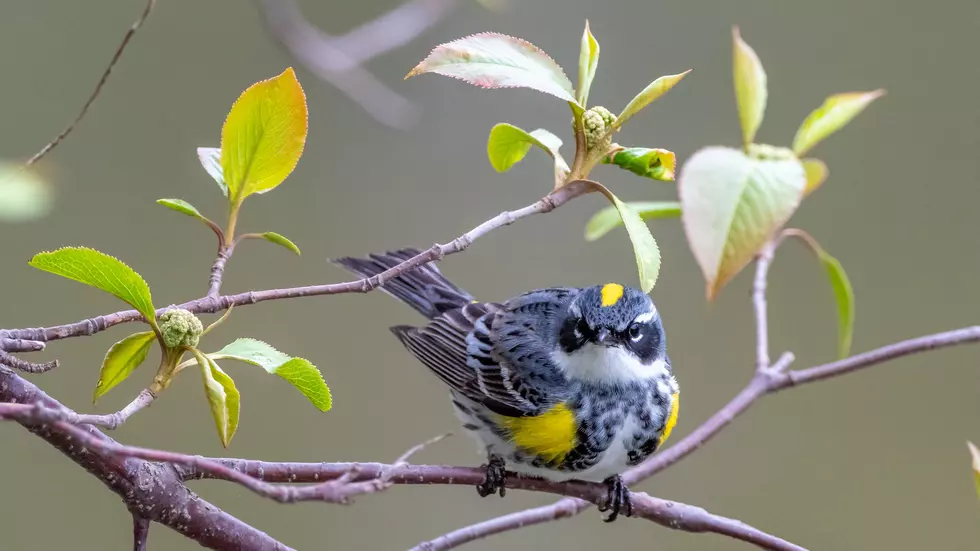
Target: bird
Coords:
[(560, 383)]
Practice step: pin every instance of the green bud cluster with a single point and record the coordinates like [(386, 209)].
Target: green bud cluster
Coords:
[(180, 328), (595, 122)]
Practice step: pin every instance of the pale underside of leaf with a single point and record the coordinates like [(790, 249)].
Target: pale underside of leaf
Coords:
[(750, 87), (223, 398), (609, 219), (101, 271), (645, 247), (975, 456), (732, 205), (493, 60), (210, 158), (121, 360), (588, 61), (300, 373)]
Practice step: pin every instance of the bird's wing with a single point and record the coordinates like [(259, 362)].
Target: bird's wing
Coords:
[(497, 355)]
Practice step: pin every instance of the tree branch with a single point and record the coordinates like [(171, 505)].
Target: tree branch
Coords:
[(150, 490), (113, 420), (98, 87), (141, 530), (211, 305), (338, 60)]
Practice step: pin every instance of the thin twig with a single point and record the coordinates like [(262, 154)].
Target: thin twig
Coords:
[(98, 87), (113, 420), (759, 303), (141, 530), (24, 365), (218, 271), (211, 305), (20, 345)]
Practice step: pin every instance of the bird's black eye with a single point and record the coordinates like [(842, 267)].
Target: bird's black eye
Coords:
[(635, 331)]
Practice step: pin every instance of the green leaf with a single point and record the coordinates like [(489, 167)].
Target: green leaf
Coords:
[(493, 60), (182, 207), (210, 158), (101, 271), (844, 295), (299, 372), (588, 61), (750, 87), (609, 219), (975, 455), (280, 240), (24, 195), (121, 360), (508, 144), (307, 379), (658, 164), (263, 136), (644, 245), (732, 204), (651, 93), (223, 397), (836, 111), (816, 174)]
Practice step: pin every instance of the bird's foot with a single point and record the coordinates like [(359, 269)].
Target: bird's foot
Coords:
[(495, 479), (617, 500)]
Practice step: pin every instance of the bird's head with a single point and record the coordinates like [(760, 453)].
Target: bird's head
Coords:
[(612, 333)]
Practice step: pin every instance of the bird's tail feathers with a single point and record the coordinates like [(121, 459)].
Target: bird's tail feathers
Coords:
[(424, 288)]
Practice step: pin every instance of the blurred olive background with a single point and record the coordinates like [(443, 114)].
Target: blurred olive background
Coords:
[(874, 460)]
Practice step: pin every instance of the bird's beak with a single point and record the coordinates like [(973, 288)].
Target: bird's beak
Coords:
[(602, 336)]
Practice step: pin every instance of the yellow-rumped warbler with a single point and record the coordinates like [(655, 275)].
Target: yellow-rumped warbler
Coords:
[(563, 383)]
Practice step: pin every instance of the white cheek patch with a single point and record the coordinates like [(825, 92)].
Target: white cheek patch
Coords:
[(607, 364)]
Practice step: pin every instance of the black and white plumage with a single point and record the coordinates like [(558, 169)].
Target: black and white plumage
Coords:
[(560, 382)]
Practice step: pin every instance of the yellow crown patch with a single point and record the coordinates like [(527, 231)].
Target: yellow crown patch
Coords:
[(611, 293)]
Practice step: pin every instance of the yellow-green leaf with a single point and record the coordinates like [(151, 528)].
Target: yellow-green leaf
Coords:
[(657, 164), (24, 195), (263, 136), (278, 239), (975, 455), (750, 87), (608, 218), (588, 61), (844, 295), (300, 373), (732, 204), (644, 245), (101, 271), (494, 60), (836, 111), (182, 207), (816, 174), (210, 158), (121, 360), (507, 145), (223, 397), (651, 93)]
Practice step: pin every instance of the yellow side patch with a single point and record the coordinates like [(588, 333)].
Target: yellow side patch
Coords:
[(550, 436), (611, 293), (675, 404)]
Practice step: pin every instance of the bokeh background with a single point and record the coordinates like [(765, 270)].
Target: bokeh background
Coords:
[(873, 460)]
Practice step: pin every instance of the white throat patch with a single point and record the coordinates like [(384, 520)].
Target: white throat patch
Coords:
[(607, 364)]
